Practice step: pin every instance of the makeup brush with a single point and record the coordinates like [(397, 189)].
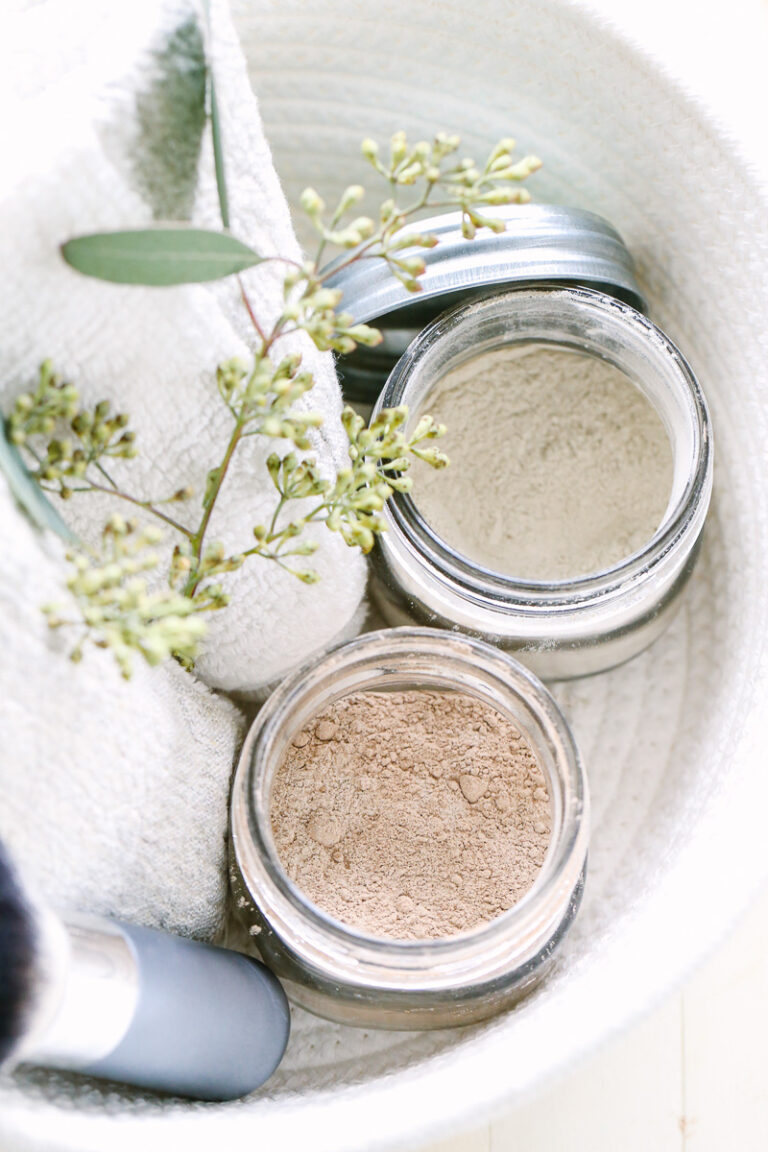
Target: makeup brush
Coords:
[(133, 1004)]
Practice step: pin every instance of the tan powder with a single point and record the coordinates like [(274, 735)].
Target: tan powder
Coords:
[(411, 814)]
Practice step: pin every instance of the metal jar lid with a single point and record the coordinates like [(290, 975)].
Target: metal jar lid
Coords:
[(542, 243)]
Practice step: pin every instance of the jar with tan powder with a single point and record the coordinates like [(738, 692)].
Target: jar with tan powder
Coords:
[(409, 831)]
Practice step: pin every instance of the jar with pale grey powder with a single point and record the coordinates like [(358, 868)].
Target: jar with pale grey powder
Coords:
[(569, 474), (581, 471)]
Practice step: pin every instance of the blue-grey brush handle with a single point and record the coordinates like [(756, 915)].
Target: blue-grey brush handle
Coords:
[(162, 1012)]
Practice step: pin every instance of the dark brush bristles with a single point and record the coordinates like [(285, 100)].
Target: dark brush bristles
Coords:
[(17, 958)]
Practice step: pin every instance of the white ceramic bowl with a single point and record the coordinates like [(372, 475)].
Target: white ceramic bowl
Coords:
[(674, 741)]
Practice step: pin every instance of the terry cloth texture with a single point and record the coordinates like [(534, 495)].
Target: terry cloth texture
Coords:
[(114, 793), (106, 131)]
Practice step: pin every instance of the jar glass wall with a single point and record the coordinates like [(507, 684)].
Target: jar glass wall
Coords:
[(344, 974), (559, 628)]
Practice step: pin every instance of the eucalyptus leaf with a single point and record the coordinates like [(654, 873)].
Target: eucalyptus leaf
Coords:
[(218, 144), (25, 489), (159, 256), (218, 155), (170, 117)]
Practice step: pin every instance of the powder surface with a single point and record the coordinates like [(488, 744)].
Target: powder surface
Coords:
[(411, 814), (560, 467)]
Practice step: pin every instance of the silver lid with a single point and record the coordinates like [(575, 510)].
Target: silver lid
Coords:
[(542, 243)]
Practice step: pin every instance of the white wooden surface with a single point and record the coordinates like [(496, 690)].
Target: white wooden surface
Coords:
[(692, 1077)]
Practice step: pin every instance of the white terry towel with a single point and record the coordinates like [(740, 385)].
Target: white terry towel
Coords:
[(114, 796), (94, 141)]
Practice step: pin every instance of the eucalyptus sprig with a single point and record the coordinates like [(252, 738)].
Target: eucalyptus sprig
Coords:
[(68, 446), (440, 181), (351, 503), (71, 447), (260, 397)]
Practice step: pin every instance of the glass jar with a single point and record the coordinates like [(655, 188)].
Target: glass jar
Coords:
[(558, 628), (540, 243), (338, 971)]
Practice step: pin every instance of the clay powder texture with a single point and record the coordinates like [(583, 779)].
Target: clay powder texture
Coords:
[(411, 814), (559, 465)]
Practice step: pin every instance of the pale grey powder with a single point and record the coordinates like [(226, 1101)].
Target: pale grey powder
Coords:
[(559, 465)]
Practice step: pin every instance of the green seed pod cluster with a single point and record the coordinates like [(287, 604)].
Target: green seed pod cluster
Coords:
[(63, 438), (116, 607), (38, 413)]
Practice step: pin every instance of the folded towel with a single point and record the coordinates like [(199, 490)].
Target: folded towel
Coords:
[(114, 793), (103, 133)]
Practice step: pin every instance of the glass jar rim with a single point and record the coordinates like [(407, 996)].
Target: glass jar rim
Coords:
[(402, 512), (451, 958)]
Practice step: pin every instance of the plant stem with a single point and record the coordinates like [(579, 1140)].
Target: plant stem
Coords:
[(364, 250), (147, 505), (34, 454), (273, 522), (106, 475), (250, 311), (198, 538), (358, 254)]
